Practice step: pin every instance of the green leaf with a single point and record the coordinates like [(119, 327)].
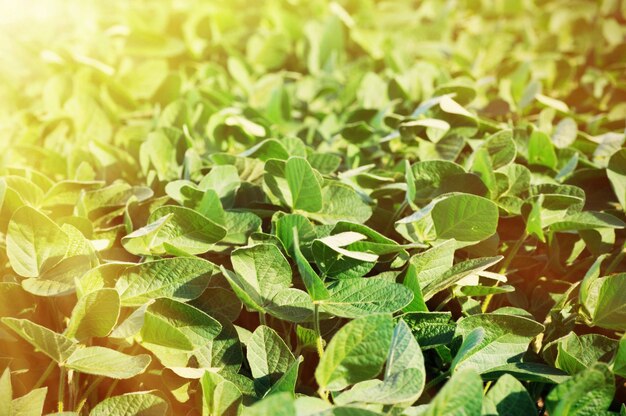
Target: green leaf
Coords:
[(508, 397), (404, 375), (6, 392), (534, 372), (606, 303), (564, 133), (176, 325), (402, 387), (465, 218), (506, 339), (54, 345), (181, 227), (94, 315), (411, 281), (180, 278), (352, 298), (430, 176), (106, 362), (456, 273), (616, 172), (575, 353), (284, 231), (261, 269), (34, 242), (462, 395), (587, 220), (30, 404), (589, 392), (541, 151), (434, 262), (314, 285), (305, 190), (269, 358), (281, 404), (619, 361), (289, 380), (219, 396), (356, 352), (337, 242), (341, 203), (404, 352), (431, 329), (501, 148), (131, 404)]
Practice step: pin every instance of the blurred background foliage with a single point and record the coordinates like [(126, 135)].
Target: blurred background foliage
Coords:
[(75, 72)]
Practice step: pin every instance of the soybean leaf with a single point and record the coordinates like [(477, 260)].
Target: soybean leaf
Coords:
[(461, 395), (54, 345), (261, 269), (94, 315), (575, 353), (508, 397), (351, 298), (269, 358), (219, 396), (465, 218), (314, 285), (616, 172), (34, 242), (456, 273), (305, 190), (605, 302), (506, 339), (341, 203), (31, 403), (106, 362), (131, 404), (180, 227), (180, 278), (588, 392), (356, 352)]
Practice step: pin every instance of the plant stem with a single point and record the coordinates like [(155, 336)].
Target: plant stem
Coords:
[(487, 385), (444, 302), (262, 318), (87, 392), (111, 388), (324, 395), (45, 375), (505, 266), (432, 383), (61, 397), (316, 327), (513, 253)]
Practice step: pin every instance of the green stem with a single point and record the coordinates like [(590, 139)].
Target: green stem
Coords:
[(111, 388), (262, 318), (444, 302), (505, 266), (511, 255), (45, 375), (61, 397), (316, 327), (487, 385), (324, 395), (87, 392), (432, 383)]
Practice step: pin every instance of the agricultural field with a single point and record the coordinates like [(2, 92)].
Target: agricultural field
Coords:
[(298, 207)]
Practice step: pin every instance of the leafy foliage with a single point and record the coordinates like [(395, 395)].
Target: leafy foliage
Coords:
[(295, 207)]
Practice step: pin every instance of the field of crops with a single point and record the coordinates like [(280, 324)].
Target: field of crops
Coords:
[(298, 207)]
